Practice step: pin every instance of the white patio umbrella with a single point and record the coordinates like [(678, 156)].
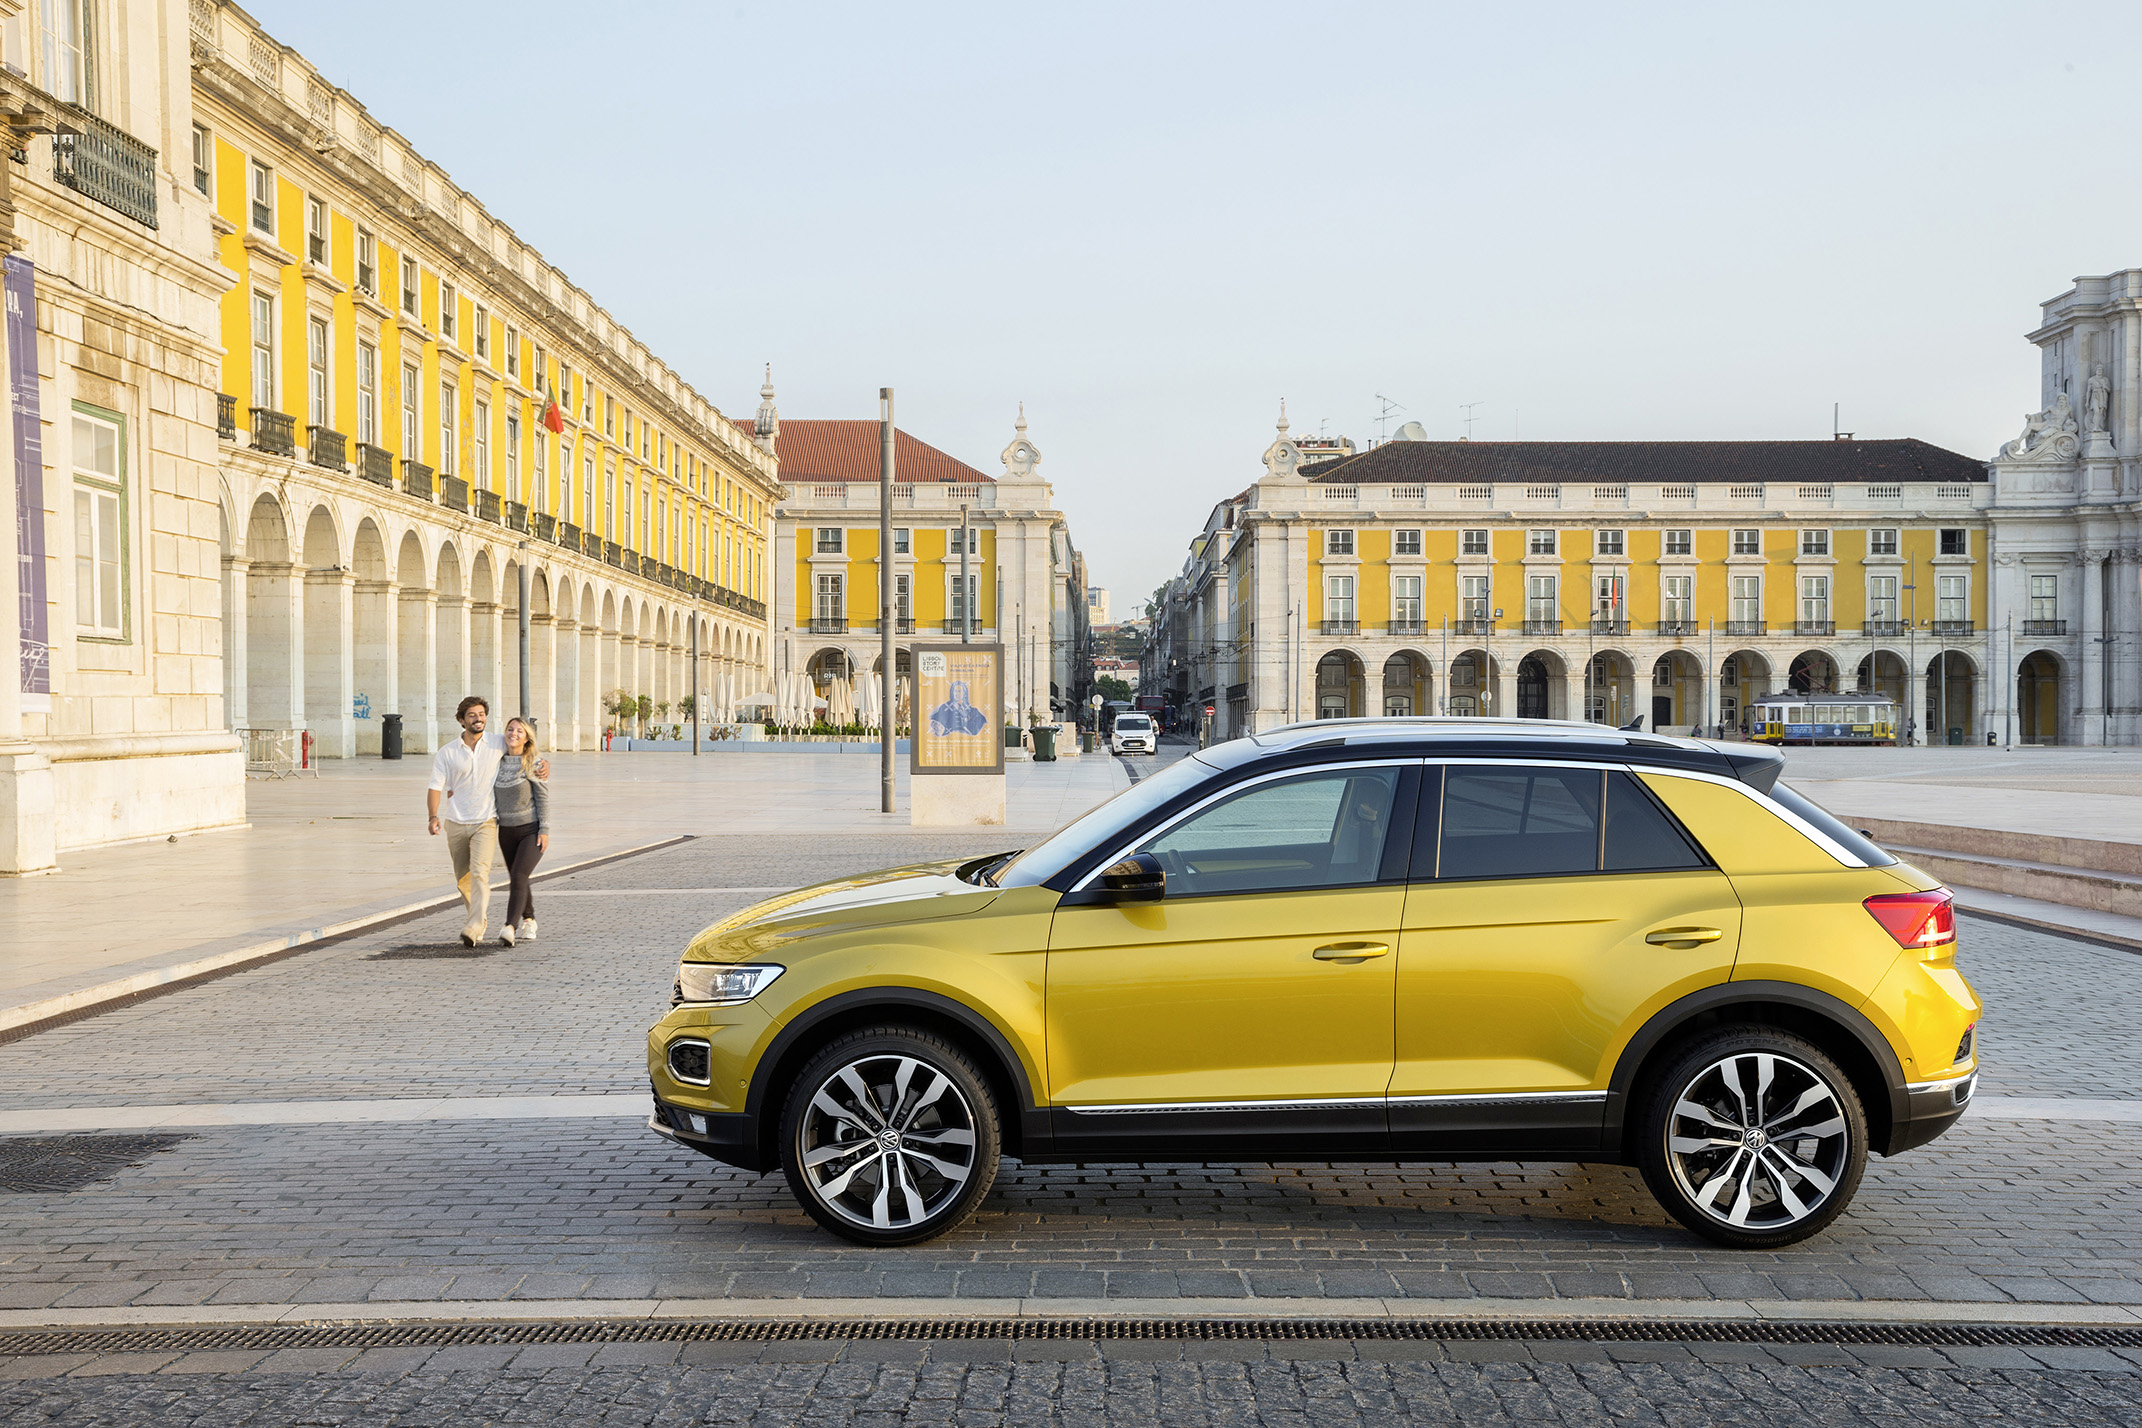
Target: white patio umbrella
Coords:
[(840, 703), (866, 704)]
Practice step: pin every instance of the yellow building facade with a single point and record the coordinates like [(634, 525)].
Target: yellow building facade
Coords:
[(455, 411), (1667, 583)]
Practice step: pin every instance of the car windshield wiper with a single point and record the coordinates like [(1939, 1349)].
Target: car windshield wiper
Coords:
[(986, 875)]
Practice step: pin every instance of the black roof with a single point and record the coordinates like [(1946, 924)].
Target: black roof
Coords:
[(1674, 463)]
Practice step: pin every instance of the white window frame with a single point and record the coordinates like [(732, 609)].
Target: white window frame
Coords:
[(1882, 540), (204, 160), (63, 51), (903, 541), (1747, 540), (1815, 599), (1475, 596), (449, 300), (1474, 541), (1678, 541), (100, 524), (1406, 541), (1546, 542), (480, 443), (1814, 542), (260, 196), (412, 412), (831, 540), (449, 405), (263, 342), (480, 320), (319, 390), (513, 353), (1882, 599), (2044, 598), (1677, 599), (538, 471), (1543, 599), (1746, 604), (1952, 597), (1406, 601), (318, 245), (1614, 543), (412, 286), (1338, 542), (367, 394), (367, 263), (1942, 534), (1339, 597), (513, 456), (831, 602)]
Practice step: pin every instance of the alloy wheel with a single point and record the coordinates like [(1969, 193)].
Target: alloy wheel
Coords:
[(887, 1142), (1758, 1141)]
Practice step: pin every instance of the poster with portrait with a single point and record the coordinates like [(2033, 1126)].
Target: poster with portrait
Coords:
[(959, 703)]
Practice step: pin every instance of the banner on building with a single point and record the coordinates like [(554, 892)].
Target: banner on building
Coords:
[(21, 288), (959, 707)]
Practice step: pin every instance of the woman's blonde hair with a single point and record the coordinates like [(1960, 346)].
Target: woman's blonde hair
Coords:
[(528, 754)]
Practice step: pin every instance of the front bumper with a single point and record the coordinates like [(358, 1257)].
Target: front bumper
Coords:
[(1931, 1107), (730, 1137)]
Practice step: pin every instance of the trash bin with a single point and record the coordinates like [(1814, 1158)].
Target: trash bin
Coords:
[(1011, 736), (1955, 735), (1044, 743), (1088, 741), (390, 736), (1992, 738)]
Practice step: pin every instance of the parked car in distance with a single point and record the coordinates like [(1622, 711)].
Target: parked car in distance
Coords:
[(1368, 940), (1134, 734)]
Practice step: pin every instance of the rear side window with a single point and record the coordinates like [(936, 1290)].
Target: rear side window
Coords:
[(1814, 814), (1510, 822), (1642, 837)]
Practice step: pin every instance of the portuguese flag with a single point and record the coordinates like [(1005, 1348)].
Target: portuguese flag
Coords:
[(552, 418)]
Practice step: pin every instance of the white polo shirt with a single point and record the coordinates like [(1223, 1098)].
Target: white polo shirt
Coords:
[(466, 777)]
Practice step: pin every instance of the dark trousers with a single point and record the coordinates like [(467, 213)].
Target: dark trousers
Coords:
[(517, 849)]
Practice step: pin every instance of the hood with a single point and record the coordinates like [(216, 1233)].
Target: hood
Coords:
[(891, 895)]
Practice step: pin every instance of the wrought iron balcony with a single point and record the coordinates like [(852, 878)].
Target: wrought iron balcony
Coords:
[(591, 545), (629, 562), (454, 494), (1745, 627), (1405, 627), (904, 625), (516, 516), (273, 431), (416, 479), (1814, 627), (2045, 627), (544, 527), (487, 506), (1878, 629), (1677, 629), (829, 625), (329, 450), (1610, 627), (569, 535), (375, 464), (1342, 627), (107, 164), (613, 554), (226, 416), (1954, 627), (1473, 625), (1543, 627)]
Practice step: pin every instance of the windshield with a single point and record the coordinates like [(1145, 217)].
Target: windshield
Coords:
[(1037, 865), (1133, 721)]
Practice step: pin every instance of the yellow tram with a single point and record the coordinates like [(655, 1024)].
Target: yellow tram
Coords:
[(1823, 719)]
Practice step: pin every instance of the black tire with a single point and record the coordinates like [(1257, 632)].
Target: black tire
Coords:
[(926, 1095), (1749, 1157)]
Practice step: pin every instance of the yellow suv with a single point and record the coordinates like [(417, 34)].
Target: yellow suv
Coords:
[(1372, 940)]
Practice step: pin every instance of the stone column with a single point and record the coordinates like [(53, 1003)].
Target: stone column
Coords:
[(565, 685), (330, 663), (377, 673), (452, 644), (2090, 684), (483, 667), (543, 677), (2126, 577), (235, 570), (591, 673), (27, 808), (1504, 684), (416, 685), (275, 660)]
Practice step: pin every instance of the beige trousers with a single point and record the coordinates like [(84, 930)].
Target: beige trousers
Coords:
[(474, 848)]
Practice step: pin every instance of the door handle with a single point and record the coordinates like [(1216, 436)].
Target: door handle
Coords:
[(1682, 938), (1350, 951)]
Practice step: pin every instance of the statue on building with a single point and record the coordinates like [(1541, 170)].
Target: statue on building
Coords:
[(2097, 400), (1282, 458), (2049, 435)]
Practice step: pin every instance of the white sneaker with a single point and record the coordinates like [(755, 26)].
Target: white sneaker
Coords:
[(505, 935), (528, 929)]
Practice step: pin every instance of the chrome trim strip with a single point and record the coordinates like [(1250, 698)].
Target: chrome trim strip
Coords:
[(1228, 792), (1348, 1102), (1939, 1083), (669, 1064)]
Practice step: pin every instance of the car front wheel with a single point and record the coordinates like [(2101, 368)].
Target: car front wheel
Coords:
[(1753, 1138), (889, 1137)]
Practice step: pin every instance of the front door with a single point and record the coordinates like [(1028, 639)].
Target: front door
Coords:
[(1536, 944), (1661, 710), (1252, 1005)]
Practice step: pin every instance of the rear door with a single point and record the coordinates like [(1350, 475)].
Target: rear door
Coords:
[(1553, 909)]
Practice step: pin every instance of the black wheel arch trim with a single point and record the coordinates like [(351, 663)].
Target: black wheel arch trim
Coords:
[(1033, 1123), (1724, 997)]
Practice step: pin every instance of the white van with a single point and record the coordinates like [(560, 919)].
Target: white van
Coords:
[(1134, 734)]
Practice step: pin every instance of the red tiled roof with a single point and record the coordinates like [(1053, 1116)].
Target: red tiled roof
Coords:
[(1670, 462), (848, 451)]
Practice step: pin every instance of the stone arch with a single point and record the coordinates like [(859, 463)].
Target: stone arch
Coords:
[(1610, 692), (1675, 702), (1542, 687), (1470, 683), (2040, 704), (323, 539), (1952, 700), (1883, 672), (1744, 676), (267, 531), (1814, 671), (1341, 685), (1407, 688)]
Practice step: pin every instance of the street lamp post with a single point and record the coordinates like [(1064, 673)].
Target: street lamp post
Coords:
[(885, 623), (526, 707)]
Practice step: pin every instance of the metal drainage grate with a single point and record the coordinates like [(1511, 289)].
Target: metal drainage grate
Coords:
[(269, 1337), (429, 952), (59, 1164)]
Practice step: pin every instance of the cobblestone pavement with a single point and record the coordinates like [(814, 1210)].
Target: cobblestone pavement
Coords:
[(1178, 1386), (1998, 1210)]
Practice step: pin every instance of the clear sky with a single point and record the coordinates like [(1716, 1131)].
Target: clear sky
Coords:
[(1152, 222)]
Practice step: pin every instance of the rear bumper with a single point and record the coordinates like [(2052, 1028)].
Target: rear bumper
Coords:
[(1931, 1107)]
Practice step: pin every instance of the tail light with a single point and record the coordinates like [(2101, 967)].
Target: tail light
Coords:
[(1916, 919)]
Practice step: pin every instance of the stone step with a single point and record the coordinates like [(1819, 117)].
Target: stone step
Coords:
[(2117, 893), (2091, 854)]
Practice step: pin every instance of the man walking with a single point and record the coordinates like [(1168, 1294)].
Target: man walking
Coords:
[(463, 771)]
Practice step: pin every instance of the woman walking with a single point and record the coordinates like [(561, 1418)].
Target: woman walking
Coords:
[(523, 825)]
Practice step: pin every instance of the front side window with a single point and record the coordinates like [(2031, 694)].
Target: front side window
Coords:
[(963, 599), (260, 188), (513, 353), (263, 351), (1609, 592), (99, 526), (1608, 543), (1679, 543), (1405, 542), (1338, 542), (1472, 542), (2045, 597), (539, 473), (904, 598), (66, 69), (1541, 543), (1814, 542), (316, 371), (204, 153), (1882, 540), (480, 321), (1317, 830), (831, 540), (1747, 542)]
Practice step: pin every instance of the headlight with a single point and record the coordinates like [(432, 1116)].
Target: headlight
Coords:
[(724, 984)]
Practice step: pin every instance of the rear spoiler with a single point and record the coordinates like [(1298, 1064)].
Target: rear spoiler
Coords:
[(1758, 770)]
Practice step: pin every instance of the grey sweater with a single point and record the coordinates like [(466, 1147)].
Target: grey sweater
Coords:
[(521, 799)]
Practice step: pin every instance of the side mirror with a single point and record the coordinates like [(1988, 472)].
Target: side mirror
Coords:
[(1138, 878)]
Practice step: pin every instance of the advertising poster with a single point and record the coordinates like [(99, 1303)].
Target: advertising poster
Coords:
[(959, 698), (21, 288)]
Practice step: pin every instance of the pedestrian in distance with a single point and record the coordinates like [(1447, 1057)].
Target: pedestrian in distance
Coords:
[(462, 775), (522, 799)]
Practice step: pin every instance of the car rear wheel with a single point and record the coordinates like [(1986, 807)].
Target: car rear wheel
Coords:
[(1753, 1138), (889, 1137)]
